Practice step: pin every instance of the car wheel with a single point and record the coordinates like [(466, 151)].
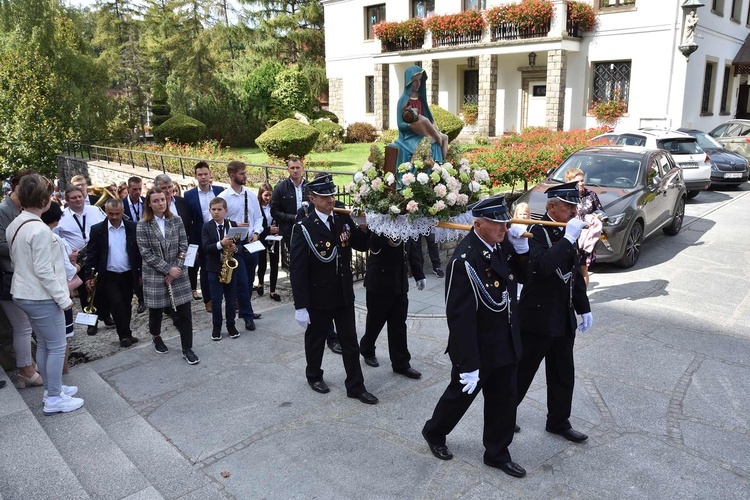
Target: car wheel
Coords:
[(692, 194), (679, 215), (632, 246)]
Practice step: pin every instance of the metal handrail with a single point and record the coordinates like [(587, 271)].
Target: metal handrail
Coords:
[(117, 155)]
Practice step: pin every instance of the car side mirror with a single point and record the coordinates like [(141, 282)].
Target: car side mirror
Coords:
[(656, 181)]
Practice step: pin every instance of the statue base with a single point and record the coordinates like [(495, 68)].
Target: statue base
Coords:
[(688, 49)]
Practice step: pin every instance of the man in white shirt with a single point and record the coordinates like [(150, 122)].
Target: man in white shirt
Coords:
[(80, 182), (244, 209), (75, 228)]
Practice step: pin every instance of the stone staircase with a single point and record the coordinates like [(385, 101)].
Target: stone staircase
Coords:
[(105, 450)]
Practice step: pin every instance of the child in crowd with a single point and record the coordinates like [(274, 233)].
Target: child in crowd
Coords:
[(269, 228), (215, 241)]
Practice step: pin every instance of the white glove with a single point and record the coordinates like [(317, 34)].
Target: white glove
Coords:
[(302, 317), (421, 284), (470, 381), (573, 230), (515, 236), (588, 322)]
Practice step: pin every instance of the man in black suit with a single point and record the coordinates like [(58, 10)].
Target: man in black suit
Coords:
[(133, 210), (112, 255), (287, 198), (198, 200), (548, 307), (483, 342), (323, 287), (178, 206), (387, 287)]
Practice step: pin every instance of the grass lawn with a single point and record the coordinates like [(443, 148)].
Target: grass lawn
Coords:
[(350, 159)]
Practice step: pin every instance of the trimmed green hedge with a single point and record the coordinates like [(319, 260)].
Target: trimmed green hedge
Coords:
[(447, 122), (328, 127), (288, 137), (324, 113), (181, 129)]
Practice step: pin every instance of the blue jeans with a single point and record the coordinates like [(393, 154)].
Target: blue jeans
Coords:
[(218, 292), (48, 322)]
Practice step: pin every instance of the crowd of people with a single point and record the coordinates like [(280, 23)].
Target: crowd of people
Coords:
[(168, 250)]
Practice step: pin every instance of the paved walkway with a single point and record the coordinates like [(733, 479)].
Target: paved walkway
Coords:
[(662, 384)]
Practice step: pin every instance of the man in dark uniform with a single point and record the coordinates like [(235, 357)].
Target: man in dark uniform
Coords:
[(323, 287), (484, 340), (387, 287), (112, 252), (548, 307)]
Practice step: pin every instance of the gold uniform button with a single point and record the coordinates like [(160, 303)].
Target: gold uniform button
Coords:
[(496, 283), (328, 244)]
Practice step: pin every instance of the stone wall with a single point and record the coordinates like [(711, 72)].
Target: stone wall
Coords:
[(382, 97), (336, 97), (487, 95), (432, 69), (557, 61)]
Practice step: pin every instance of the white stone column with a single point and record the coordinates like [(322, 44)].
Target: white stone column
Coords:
[(336, 97), (559, 18), (432, 68), (487, 95), (557, 65), (382, 97)]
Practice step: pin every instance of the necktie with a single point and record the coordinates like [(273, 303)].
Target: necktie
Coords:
[(330, 222), (221, 232)]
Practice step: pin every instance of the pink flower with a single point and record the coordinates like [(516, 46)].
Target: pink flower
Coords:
[(408, 179), (440, 190), (463, 199), (412, 206)]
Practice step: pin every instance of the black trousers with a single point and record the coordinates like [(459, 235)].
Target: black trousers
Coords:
[(205, 285), (183, 320), (315, 341), (391, 309), (193, 276), (498, 387), (273, 253), (557, 353), (117, 291)]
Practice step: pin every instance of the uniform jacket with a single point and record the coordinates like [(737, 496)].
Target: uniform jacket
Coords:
[(387, 266), (209, 238), (196, 212), (480, 305), (129, 213), (546, 305), (159, 254), (317, 284), (284, 205), (97, 251), (183, 210)]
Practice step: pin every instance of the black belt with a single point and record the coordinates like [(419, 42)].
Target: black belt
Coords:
[(124, 272)]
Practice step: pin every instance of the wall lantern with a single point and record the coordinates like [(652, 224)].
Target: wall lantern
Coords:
[(472, 62), (532, 58)]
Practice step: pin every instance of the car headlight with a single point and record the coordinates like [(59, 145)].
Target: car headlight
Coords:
[(614, 220)]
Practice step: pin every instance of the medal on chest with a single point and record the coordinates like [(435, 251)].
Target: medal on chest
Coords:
[(344, 236)]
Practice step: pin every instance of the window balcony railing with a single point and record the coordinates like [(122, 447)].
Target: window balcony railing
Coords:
[(511, 31), (402, 44), (458, 39)]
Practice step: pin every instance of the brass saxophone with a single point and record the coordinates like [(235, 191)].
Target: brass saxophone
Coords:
[(228, 264), (90, 308)]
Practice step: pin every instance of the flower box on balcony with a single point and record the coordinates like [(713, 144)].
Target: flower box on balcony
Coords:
[(456, 29), (581, 17), (398, 36), (527, 19)]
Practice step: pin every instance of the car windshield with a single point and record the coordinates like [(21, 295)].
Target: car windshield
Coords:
[(602, 170), (680, 146), (706, 141)]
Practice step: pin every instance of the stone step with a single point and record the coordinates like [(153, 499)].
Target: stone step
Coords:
[(31, 467), (102, 468), (165, 471)]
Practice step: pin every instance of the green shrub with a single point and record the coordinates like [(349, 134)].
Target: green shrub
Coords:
[(328, 127), (360, 132), (226, 116), (292, 93), (481, 140), (180, 128), (327, 143), (258, 88), (447, 122), (377, 157), (160, 108), (388, 136), (324, 113), (288, 137)]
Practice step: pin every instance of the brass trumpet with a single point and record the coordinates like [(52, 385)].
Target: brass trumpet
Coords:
[(90, 308)]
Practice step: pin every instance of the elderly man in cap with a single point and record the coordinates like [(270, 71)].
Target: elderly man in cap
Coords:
[(484, 342), (322, 285), (548, 307)]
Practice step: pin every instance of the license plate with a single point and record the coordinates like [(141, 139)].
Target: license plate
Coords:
[(689, 165), (733, 175)]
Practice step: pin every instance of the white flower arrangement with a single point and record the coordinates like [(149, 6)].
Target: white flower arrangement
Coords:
[(439, 192)]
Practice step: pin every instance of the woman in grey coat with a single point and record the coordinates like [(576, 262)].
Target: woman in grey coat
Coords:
[(163, 243)]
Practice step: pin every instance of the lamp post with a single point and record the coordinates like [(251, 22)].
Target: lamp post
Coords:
[(472, 61)]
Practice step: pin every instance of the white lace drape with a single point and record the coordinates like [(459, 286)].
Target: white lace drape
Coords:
[(401, 228)]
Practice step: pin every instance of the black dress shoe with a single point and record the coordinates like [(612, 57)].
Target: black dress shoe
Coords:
[(319, 386), (517, 429), (409, 372), (365, 397), (335, 347), (570, 434), (372, 361), (510, 468), (141, 308), (133, 340), (92, 330), (250, 325), (109, 322), (125, 342), (440, 451), (257, 315)]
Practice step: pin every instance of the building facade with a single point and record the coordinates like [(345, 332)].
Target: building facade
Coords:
[(550, 77)]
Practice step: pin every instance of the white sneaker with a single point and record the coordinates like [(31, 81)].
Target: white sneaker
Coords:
[(68, 390), (64, 404)]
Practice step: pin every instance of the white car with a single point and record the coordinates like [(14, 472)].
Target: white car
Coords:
[(694, 162)]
